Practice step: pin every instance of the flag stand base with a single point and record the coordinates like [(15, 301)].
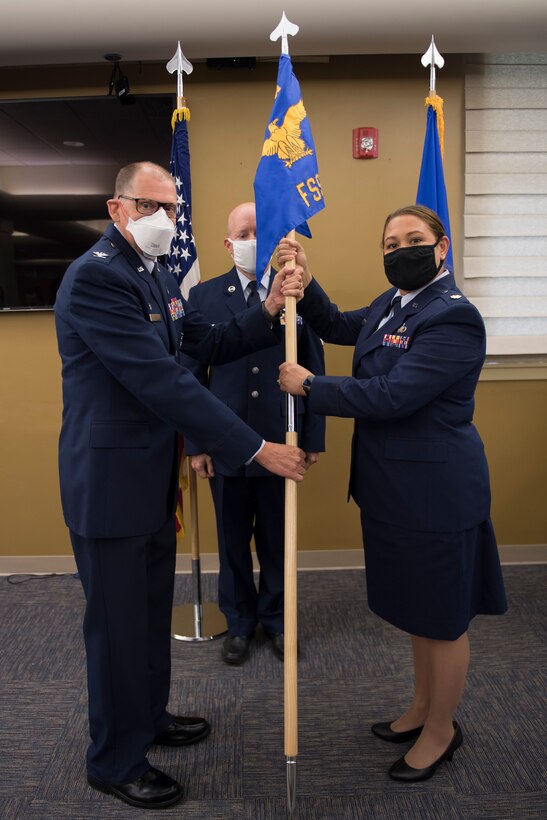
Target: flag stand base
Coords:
[(195, 623)]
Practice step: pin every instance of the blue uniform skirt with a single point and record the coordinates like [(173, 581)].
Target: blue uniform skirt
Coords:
[(431, 584)]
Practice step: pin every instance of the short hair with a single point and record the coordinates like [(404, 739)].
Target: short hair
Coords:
[(428, 216), (127, 174)]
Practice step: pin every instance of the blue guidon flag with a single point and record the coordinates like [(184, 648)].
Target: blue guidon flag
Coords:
[(431, 187), (287, 188)]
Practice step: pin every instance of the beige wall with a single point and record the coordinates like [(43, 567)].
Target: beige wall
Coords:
[(229, 113)]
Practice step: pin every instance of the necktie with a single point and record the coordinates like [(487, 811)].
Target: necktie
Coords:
[(253, 297), (396, 305)]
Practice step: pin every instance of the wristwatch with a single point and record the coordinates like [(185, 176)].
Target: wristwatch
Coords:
[(306, 384)]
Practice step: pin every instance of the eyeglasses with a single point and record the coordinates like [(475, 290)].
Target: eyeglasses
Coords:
[(147, 207)]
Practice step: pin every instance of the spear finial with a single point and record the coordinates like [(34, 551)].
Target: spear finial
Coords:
[(181, 65), (283, 30), (432, 58)]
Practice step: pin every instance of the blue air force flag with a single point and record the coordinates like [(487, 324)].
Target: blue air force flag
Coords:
[(286, 185), (182, 259), (431, 187)]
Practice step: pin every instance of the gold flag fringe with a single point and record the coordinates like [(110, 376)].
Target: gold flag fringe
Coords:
[(436, 104), (183, 485), (179, 114)]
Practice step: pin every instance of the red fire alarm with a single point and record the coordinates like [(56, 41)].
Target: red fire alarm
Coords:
[(365, 143)]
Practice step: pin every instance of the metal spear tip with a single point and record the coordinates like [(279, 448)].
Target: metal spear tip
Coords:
[(291, 784), (179, 63), (283, 30), (432, 56)]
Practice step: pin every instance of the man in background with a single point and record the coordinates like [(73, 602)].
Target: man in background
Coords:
[(249, 499)]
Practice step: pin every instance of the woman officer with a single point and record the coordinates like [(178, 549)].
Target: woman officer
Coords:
[(418, 472)]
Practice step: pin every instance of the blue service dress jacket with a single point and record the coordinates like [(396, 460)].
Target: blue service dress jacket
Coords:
[(418, 461), (126, 396), (248, 386)]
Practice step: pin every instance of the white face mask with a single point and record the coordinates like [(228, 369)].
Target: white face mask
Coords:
[(153, 234), (244, 251)]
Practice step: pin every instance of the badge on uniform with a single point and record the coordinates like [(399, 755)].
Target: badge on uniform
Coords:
[(283, 321), (100, 254), (176, 309), (395, 340), (455, 296)]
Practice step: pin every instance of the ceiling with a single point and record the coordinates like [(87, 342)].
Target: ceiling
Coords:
[(34, 32)]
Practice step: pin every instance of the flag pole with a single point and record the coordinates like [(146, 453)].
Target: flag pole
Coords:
[(193, 622), (283, 30), (432, 58), (196, 622), (290, 615), (287, 193)]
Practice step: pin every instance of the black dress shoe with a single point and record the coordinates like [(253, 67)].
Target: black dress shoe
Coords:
[(278, 644), (385, 732), (182, 731), (235, 649), (154, 790), (402, 771)]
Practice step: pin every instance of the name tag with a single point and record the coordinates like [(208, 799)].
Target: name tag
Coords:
[(394, 340), (155, 317)]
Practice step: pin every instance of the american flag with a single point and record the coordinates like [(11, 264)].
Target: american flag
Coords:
[(182, 259)]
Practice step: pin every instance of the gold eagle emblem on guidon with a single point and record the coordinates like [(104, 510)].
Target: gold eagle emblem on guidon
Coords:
[(285, 140)]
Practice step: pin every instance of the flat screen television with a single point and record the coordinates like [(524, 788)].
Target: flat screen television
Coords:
[(58, 162)]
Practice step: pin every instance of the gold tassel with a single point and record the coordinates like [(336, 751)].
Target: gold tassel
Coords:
[(179, 114), (182, 485), (436, 104)]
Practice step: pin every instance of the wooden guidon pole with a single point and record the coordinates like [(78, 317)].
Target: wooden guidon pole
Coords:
[(290, 627)]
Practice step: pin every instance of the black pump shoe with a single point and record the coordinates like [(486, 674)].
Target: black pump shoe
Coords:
[(402, 771), (385, 732)]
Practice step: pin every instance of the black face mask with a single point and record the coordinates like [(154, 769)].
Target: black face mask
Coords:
[(413, 267)]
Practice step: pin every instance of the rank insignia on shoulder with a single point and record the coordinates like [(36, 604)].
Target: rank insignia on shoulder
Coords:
[(455, 296), (100, 254), (394, 340), (176, 309)]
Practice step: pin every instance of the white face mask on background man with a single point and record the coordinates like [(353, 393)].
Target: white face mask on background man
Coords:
[(153, 234), (244, 252)]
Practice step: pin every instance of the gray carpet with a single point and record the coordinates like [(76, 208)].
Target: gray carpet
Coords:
[(354, 670)]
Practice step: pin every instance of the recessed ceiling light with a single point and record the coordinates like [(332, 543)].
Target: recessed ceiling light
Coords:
[(73, 144)]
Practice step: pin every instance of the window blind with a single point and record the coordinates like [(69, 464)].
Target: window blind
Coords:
[(505, 211)]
